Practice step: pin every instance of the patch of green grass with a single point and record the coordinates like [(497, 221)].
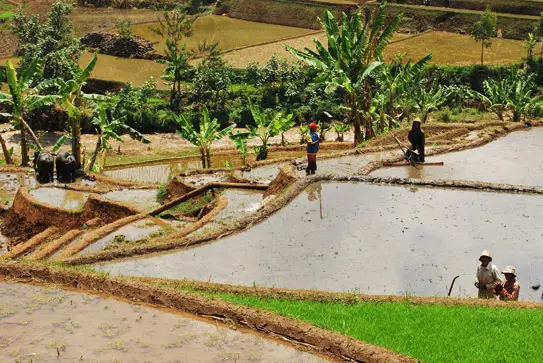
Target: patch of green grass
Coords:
[(190, 207), (5, 6), (7, 15), (431, 333)]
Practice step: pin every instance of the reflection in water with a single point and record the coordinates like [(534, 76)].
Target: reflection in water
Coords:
[(63, 198), (314, 192), (372, 240), (37, 320)]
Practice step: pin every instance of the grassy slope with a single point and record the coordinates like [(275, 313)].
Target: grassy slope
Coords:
[(431, 333)]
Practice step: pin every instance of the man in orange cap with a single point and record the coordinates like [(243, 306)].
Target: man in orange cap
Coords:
[(312, 139)]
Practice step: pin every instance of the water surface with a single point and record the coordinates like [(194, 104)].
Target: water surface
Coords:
[(514, 159), (369, 238)]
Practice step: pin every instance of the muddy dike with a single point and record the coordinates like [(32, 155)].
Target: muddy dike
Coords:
[(29, 216), (113, 44), (304, 336), (83, 326), (376, 239)]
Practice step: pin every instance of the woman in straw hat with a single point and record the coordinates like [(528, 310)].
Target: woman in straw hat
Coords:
[(511, 288), (488, 276)]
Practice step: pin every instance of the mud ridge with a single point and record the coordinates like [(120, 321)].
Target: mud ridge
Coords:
[(330, 297), (168, 243), (306, 336)]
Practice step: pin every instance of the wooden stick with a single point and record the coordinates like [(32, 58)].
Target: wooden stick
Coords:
[(435, 163)]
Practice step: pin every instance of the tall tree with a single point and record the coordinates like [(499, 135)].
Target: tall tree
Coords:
[(75, 101), (485, 29), (51, 41), (352, 55), (175, 26), (21, 98), (539, 33)]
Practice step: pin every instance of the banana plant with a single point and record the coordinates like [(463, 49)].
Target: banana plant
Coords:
[(204, 137), (108, 128), (240, 142), (514, 93), (76, 101), (22, 99), (428, 99), (267, 126), (340, 128), (352, 55)]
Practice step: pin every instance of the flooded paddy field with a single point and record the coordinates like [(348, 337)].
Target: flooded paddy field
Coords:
[(9, 183), (42, 324), (372, 239), (143, 199), (162, 172), (514, 159), (241, 203)]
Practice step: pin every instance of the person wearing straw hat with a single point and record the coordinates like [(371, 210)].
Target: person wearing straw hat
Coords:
[(417, 140), (313, 140), (510, 289), (487, 276)]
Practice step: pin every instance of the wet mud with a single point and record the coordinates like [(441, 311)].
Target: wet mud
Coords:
[(241, 203), (62, 198), (143, 199), (514, 159), (9, 183), (131, 232), (42, 324), (369, 238)]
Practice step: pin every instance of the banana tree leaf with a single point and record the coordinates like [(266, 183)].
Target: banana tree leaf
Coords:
[(59, 143)]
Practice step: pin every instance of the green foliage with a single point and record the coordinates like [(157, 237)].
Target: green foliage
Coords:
[(190, 207), (267, 126), (21, 99), (204, 137), (427, 99), (108, 127), (124, 28), (76, 101), (340, 128), (51, 42), (514, 93), (161, 192), (303, 129), (239, 139), (530, 44), (485, 29), (173, 27), (352, 54)]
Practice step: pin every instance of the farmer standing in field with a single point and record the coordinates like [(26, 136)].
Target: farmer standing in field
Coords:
[(487, 277), (312, 139), (417, 140), (510, 289)]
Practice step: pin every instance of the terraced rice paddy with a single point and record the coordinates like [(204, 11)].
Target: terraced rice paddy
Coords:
[(41, 324), (368, 238), (230, 33)]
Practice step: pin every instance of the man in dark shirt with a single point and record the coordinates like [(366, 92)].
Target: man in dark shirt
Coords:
[(417, 140)]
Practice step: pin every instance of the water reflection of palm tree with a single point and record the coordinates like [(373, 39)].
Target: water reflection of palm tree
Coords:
[(314, 192)]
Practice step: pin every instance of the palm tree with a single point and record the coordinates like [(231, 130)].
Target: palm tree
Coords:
[(267, 127), (209, 132), (74, 99), (23, 99), (353, 53), (107, 127)]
